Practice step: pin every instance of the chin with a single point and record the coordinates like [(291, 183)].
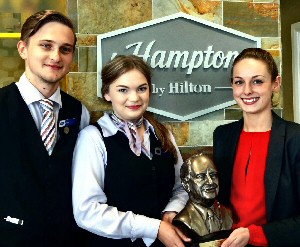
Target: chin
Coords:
[(210, 196), (135, 116), (250, 111), (53, 80)]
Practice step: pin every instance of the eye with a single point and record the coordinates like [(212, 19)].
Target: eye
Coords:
[(201, 176), (143, 88), (213, 175), (257, 81), (66, 49), (122, 90), (46, 46), (238, 82)]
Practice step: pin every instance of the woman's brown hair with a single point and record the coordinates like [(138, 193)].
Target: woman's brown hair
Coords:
[(261, 55)]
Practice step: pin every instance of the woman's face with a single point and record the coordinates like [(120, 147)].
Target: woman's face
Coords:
[(253, 87), (129, 95)]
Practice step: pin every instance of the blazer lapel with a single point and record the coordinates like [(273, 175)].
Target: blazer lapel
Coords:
[(274, 161), (232, 144), (235, 140)]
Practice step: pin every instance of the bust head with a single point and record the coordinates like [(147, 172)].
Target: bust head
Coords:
[(203, 218), (199, 178)]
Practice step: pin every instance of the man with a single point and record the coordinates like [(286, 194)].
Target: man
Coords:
[(39, 125), (202, 217)]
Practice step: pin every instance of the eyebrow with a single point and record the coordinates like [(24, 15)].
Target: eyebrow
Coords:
[(240, 77), (51, 41), (121, 86), (144, 84)]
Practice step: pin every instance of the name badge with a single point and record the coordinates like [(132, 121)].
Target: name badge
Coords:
[(67, 122)]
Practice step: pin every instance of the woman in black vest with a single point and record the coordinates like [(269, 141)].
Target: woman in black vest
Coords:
[(126, 185)]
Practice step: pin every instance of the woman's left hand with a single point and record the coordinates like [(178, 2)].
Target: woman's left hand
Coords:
[(238, 238)]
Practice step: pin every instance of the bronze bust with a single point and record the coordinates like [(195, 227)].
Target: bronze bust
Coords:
[(203, 218)]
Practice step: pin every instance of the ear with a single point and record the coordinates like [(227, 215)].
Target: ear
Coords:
[(107, 97), (185, 185), (276, 84), (22, 49)]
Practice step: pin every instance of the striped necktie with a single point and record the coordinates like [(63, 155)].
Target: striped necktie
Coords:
[(48, 130)]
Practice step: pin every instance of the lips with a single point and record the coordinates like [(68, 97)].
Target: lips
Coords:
[(54, 67), (250, 101), (209, 187), (134, 107)]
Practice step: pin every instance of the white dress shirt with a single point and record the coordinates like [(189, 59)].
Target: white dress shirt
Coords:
[(32, 95), (89, 200)]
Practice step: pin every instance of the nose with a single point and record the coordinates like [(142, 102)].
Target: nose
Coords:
[(55, 55), (248, 88), (208, 178), (133, 96)]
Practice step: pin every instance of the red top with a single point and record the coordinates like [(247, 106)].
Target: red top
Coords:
[(248, 187)]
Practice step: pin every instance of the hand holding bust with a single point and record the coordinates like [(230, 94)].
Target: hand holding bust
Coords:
[(203, 218)]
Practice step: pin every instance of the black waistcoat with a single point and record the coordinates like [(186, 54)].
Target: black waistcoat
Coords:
[(136, 183), (34, 187)]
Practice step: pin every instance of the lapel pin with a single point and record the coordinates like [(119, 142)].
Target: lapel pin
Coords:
[(157, 151), (66, 130)]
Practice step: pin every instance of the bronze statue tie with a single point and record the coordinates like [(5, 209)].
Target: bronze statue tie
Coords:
[(212, 221), (48, 130)]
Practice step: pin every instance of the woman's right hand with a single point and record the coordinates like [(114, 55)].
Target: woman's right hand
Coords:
[(171, 236)]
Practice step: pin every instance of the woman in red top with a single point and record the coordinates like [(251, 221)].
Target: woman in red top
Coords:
[(258, 159)]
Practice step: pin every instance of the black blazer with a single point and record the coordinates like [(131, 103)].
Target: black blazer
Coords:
[(282, 177)]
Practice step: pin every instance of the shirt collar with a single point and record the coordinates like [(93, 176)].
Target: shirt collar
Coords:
[(148, 127), (204, 210), (31, 94), (110, 129)]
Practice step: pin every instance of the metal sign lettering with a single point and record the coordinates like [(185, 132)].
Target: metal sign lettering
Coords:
[(191, 60)]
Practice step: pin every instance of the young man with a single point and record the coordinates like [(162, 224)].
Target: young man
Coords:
[(36, 145)]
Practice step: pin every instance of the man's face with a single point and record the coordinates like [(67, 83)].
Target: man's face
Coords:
[(48, 54), (203, 184)]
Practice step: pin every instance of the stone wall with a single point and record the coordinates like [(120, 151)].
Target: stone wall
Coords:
[(257, 18), (260, 18)]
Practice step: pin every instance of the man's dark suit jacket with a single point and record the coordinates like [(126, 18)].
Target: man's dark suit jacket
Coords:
[(282, 177), (34, 186)]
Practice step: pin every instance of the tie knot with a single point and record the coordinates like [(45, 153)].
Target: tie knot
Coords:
[(131, 126), (46, 104), (210, 213)]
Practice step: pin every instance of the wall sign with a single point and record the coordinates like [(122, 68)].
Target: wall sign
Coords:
[(191, 60)]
